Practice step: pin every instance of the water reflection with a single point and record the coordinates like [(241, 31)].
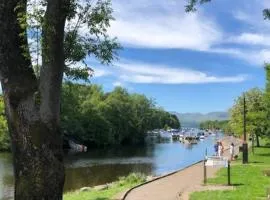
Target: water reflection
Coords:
[(101, 174), (102, 166)]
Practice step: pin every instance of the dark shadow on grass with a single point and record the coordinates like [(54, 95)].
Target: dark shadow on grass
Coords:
[(264, 146), (237, 184), (263, 154), (255, 162), (103, 198)]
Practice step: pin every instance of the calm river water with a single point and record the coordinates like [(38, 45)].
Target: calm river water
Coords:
[(102, 166)]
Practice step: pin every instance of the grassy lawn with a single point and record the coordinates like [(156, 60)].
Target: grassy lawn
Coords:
[(123, 184), (249, 180)]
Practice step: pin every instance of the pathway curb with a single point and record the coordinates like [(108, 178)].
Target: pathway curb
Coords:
[(160, 177)]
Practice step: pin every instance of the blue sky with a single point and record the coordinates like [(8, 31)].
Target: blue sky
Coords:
[(195, 62)]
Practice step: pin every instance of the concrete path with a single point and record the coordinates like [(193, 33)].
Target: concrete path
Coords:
[(179, 185)]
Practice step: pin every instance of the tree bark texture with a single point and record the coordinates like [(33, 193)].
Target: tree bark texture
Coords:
[(32, 108)]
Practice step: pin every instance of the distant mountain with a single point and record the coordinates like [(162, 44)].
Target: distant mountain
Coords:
[(194, 119)]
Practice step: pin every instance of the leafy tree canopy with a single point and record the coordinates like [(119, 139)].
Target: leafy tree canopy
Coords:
[(94, 117), (255, 113), (85, 35)]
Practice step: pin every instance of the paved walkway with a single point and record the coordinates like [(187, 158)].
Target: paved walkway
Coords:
[(179, 185)]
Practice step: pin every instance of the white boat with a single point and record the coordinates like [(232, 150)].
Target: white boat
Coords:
[(175, 136), (181, 138), (165, 135), (77, 147), (202, 137)]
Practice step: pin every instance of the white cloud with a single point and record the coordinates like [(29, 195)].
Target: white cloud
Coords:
[(262, 56), (252, 39), (156, 74), (117, 83), (255, 36), (162, 24), (251, 14), (128, 71), (253, 56), (242, 16), (99, 72), (165, 24)]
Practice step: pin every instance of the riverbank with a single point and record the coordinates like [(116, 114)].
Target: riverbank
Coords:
[(116, 189), (177, 185), (250, 181), (98, 167), (107, 191)]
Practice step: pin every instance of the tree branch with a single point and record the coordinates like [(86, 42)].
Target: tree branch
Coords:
[(191, 6), (266, 14), (16, 73)]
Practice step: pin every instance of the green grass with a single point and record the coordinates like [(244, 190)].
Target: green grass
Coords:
[(249, 180), (121, 185)]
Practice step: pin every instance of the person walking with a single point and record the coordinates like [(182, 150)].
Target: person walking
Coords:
[(216, 148), (232, 151), (220, 149)]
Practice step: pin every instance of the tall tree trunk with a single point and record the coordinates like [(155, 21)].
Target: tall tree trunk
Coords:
[(39, 172), (34, 126), (257, 140)]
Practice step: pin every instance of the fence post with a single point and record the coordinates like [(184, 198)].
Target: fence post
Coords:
[(204, 171), (229, 172)]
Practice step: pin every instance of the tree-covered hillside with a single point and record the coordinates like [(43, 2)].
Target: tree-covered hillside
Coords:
[(194, 119)]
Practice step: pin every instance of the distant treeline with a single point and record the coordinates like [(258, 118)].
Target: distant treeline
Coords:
[(215, 124), (97, 118)]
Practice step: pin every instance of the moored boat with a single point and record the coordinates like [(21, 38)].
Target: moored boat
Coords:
[(190, 140), (202, 137)]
